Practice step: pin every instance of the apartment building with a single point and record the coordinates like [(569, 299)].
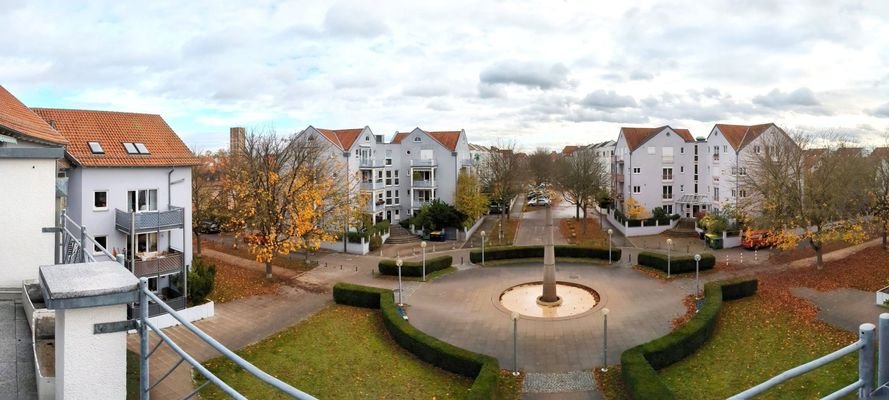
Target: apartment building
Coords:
[(129, 185), (404, 174), (29, 151), (603, 151), (659, 167)]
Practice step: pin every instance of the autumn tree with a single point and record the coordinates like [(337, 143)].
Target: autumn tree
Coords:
[(205, 191), (285, 195), (541, 166), (580, 178), (501, 177), (469, 199), (808, 194), (879, 193), (635, 210)]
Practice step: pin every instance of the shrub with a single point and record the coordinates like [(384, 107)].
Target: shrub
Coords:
[(484, 369), (639, 364), (659, 213), (678, 264), (519, 252), (355, 237), (380, 228), (201, 280), (375, 243), (415, 268)]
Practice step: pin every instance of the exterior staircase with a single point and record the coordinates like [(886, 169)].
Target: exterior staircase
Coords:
[(399, 235), (685, 228)]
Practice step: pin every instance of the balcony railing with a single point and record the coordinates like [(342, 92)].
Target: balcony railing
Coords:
[(149, 221), (423, 184), (169, 263), (369, 163), (423, 163), (420, 203), (170, 296), (619, 177), (374, 185), (468, 162)]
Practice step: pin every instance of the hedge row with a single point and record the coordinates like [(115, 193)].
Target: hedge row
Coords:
[(484, 369), (678, 264), (639, 364), (518, 252), (415, 268)]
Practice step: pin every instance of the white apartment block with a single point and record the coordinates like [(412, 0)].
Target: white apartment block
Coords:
[(604, 153), (404, 174), (659, 167)]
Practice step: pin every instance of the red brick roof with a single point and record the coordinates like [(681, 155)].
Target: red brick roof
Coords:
[(635, 137), (568, 150), (741, 135), (344, 138), (18, 118), (111, 130), (448, 139)]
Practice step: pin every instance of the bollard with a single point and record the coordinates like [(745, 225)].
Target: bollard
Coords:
[(461, 260), (726, 260), (325, 264), (742, 257), (883, 357), (866, 360), (341, 267), (755, 255), (356, 268)]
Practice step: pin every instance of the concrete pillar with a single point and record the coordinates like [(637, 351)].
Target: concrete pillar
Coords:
[(89, 365), (549, 295)]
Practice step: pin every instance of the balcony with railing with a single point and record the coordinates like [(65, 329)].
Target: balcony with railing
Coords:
[(170, 296), (375, 184), (619, 177), (424, 163), (365, 163), (149, 221), (150, 265), (420, 203), (618, 158), (423, 184)]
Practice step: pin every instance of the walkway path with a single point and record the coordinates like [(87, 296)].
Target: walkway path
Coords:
[(533, 227), (17, 379)]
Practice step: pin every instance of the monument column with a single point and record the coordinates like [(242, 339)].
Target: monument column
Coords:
[(549, 296)]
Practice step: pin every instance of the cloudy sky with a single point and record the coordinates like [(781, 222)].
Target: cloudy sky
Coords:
[(541, 73)]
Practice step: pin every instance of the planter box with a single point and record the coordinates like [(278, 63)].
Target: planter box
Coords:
[(882, 295)]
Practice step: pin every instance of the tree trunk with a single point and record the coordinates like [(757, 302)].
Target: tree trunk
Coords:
[(268, 270), (577, 211), (819, 262), (197, 247), (884, 238)]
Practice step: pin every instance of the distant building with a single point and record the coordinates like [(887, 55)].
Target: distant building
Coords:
[(603, 151), (237, 140)]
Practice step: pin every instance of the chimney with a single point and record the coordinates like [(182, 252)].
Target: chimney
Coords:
[(237, 137)]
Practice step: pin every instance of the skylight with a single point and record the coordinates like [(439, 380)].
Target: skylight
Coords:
[(142, 149), (131, 149), (96, 148)]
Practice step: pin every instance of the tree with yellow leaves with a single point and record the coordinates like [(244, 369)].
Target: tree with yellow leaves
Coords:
[(285, 195), (817, 195), (635, 210), (469, 199)]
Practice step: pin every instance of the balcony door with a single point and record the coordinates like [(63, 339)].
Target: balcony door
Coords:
[(142, 200)]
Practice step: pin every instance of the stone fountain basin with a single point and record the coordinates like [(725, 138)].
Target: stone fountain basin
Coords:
[(576, 299)]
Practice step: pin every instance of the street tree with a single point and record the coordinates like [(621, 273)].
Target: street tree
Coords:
[(501, 177), (580, 178), (469, 198), (879, 193), (806, 194), (205, 192), (541, 166)]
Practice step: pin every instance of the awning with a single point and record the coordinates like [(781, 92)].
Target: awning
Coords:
[(694, 199)]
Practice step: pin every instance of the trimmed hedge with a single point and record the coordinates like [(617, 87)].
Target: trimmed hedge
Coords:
[(484, 369), (415, 268), (518, 252), (678, 264), (639, 364)]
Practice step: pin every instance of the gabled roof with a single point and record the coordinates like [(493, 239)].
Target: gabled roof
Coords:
[(343, 138), (568, 150), (880, 152), (635, 137), (741, 135), (18, 118), (448, 139), (111, 130)]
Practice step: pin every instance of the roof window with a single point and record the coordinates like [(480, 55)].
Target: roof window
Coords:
[(135, 148), (142, 149), (96, 148)]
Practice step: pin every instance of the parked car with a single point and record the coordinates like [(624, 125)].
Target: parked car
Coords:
[(208, 226), (495, 208), (756, 240), (543, 201), (437, 236)]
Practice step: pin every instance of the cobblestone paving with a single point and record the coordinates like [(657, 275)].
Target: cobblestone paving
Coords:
[(575, 381)]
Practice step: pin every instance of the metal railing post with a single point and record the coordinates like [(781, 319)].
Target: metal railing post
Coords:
[(143, 339), (83, 243), (866, 360), (883, 351)]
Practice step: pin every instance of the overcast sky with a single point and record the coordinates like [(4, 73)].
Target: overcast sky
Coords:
[(541, 73)]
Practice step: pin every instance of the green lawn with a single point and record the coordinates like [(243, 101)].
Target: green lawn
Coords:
[(132, 376), (339, 353), (751, 344)]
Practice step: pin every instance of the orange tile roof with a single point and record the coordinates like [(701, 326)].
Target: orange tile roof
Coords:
[(635, 137), (568, 150), (399, 136), (741, 135), (344, 138), (17, 117), (111, 130), (448, 139)]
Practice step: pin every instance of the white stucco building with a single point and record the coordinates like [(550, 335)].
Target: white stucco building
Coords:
[(130, 185), (604, 152), (29, 151)]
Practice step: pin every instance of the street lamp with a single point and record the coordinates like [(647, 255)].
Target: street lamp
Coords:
[(669, 247), (483, 247), (423, 245), (515, 345), (605, 312), (398, 263), (697, 274), (610, 232)]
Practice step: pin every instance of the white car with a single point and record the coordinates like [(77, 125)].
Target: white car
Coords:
[(542, 201)]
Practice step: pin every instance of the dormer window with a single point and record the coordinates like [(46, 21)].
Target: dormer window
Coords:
[(96, 148), (417, 139), (135, 148)]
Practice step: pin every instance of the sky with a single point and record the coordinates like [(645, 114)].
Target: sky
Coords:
[(536, 73)]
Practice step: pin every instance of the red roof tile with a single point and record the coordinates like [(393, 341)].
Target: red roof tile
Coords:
[(741, 135), (399, 136), (448, 139), (344, 138), (111, 130), (635, 137), (568, 150), (17, 117)]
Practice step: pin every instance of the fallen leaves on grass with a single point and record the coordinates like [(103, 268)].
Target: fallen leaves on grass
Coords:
[(690, 306), (584, 232), (233, 283), (611, 384), (804, 250)]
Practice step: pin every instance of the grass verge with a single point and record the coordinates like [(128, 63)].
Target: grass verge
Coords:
[(429, 277), (583, 232), (340, 352), (611, 384), (132, 376)]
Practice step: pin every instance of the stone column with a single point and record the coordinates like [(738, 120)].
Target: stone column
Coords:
[(549, 296), (89, 365)]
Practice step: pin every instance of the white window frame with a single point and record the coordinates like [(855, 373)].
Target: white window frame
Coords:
[(637, 189), (96, 250), (637, 170), (106, 200), (418, 139), (136, 200)]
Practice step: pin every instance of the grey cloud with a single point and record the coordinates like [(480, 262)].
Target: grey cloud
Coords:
[(488, 91), (638, 75), (601, 99), (778, 99), (880, 111), (528, 74), (353, 20), (587, 115)]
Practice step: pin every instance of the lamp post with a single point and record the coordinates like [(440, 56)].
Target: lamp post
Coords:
[(515, 345), (610, 232), (697, 275), (605, 312), (398, 263), (669, 247), (483, 247), (423, 245)]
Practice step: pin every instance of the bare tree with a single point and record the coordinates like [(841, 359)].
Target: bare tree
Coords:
[(808, 194), (580, 178), (541, 166), (501, 177), (205, 191)]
